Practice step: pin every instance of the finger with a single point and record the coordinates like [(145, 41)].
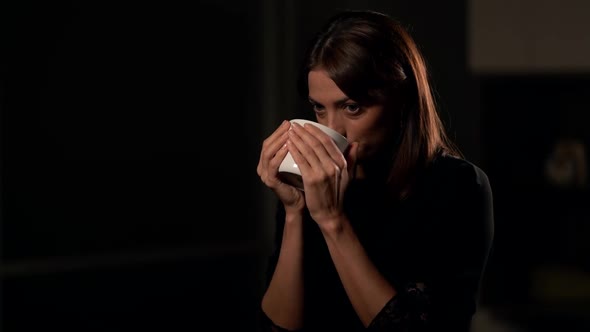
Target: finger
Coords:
[(308, 155), (329, 146), (272, 144), (272, 155), (325, 161), (270, 140), (269, 170), (298, 157), (275, 162)]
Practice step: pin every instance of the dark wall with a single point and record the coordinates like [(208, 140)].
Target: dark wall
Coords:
[(541, 227), (129, 191), (121, 121)]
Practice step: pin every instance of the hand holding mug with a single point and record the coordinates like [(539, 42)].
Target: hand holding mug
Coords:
[(274, 150)]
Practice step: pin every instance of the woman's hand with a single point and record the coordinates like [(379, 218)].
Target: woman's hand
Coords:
[(325, 170), (274, 149)]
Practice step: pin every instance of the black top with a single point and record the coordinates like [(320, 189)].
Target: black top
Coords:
[(432, 246)]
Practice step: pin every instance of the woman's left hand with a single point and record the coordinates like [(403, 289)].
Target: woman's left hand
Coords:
[(325, 170)]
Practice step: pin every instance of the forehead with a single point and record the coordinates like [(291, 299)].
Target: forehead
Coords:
[(322, 87)]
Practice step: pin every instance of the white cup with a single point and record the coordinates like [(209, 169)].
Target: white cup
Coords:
[(289, 171)]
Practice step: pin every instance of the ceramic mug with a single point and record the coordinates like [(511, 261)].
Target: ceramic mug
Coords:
[(289, 171)]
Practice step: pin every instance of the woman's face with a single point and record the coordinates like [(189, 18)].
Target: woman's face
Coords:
[(370, 126)]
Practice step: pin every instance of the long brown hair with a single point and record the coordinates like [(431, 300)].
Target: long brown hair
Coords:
[(374, 60)]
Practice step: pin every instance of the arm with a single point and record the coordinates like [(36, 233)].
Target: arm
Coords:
[(282, 302), (326, 173), (366, 288), (453, 240)]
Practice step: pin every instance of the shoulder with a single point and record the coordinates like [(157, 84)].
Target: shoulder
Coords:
[(455, 172), (456, 199), (460, 193), (450, 183)]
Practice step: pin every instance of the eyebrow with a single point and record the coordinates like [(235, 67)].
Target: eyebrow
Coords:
[(338, 102)]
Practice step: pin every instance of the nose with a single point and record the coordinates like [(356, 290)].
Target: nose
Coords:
[(334, 121)]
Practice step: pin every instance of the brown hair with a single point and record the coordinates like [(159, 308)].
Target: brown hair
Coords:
[(374, 60)]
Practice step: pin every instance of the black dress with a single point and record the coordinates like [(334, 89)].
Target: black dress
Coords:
[(432, 247)]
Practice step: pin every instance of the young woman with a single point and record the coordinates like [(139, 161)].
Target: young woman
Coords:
[(394, 233)]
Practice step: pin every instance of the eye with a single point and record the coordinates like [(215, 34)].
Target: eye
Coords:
[(317, 108), (352, 109)]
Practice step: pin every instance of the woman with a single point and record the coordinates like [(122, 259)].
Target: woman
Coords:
[(393, 234)]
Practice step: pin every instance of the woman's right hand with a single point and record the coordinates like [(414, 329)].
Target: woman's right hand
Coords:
[(274, 149)]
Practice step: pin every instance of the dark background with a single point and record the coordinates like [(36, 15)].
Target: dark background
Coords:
[(130, 137)]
